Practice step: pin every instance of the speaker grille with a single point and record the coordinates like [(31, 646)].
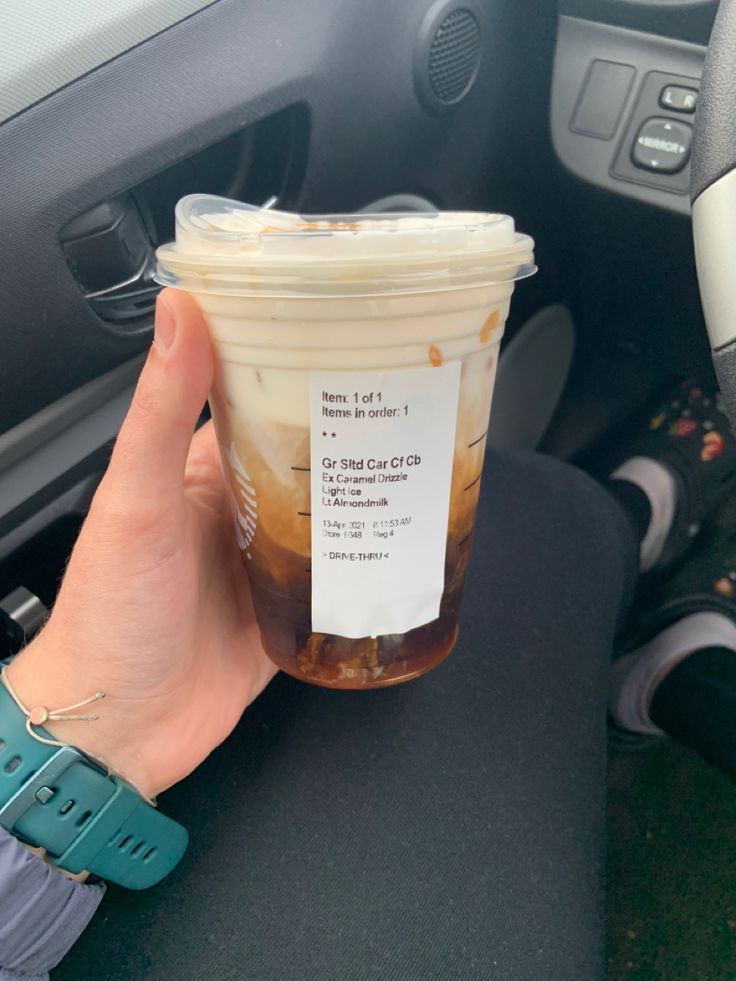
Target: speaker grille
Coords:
[(454, 55)]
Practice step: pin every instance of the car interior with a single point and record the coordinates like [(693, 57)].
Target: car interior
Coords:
[(575, 117)]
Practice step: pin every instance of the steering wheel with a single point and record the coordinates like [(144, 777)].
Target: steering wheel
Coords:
[(713, 196)]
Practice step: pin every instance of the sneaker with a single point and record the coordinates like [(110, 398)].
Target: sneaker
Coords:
[(696, 609), (690, 437)]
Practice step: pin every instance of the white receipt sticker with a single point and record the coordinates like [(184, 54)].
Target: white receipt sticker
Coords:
[(382, 449)]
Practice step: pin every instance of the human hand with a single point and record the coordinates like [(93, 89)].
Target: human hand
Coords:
[(154, 609)]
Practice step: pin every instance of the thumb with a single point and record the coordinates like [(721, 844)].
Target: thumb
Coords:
[(150, 455)]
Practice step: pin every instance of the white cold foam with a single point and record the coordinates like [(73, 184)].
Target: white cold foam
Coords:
[(265, 365), (269, 344)]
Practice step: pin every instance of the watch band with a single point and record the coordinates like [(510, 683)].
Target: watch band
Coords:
[(60, 799)]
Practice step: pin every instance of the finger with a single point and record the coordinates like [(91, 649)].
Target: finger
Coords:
[(150, 453), (204, 472), (205, 448)]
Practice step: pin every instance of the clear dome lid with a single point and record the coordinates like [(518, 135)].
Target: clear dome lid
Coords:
[(225, 246)]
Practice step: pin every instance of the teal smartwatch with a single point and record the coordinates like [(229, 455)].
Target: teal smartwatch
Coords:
[(59, 799)]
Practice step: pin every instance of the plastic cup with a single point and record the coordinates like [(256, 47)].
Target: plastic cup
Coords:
[(356, 357)]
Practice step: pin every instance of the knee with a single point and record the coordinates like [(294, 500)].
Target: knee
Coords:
[(556, 518)]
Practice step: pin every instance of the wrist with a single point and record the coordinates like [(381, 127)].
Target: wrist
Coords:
[(42, 855), (41, 675), (56, 797)]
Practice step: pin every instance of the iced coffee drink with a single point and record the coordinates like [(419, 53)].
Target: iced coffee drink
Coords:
[(356, 357)]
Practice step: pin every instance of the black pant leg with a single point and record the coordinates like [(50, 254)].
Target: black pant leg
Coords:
[(451, 828)]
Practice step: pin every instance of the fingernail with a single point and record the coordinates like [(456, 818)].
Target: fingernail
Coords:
[(164, 326)]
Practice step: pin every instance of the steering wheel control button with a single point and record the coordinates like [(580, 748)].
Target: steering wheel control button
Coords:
[(678, 99), (603, 96), (662, 145)]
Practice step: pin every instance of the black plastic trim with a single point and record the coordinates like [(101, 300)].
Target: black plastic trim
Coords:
[(684, 20), (714, 145), (724, 361)]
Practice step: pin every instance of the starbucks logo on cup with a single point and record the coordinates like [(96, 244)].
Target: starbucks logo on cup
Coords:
[(242, 501)]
